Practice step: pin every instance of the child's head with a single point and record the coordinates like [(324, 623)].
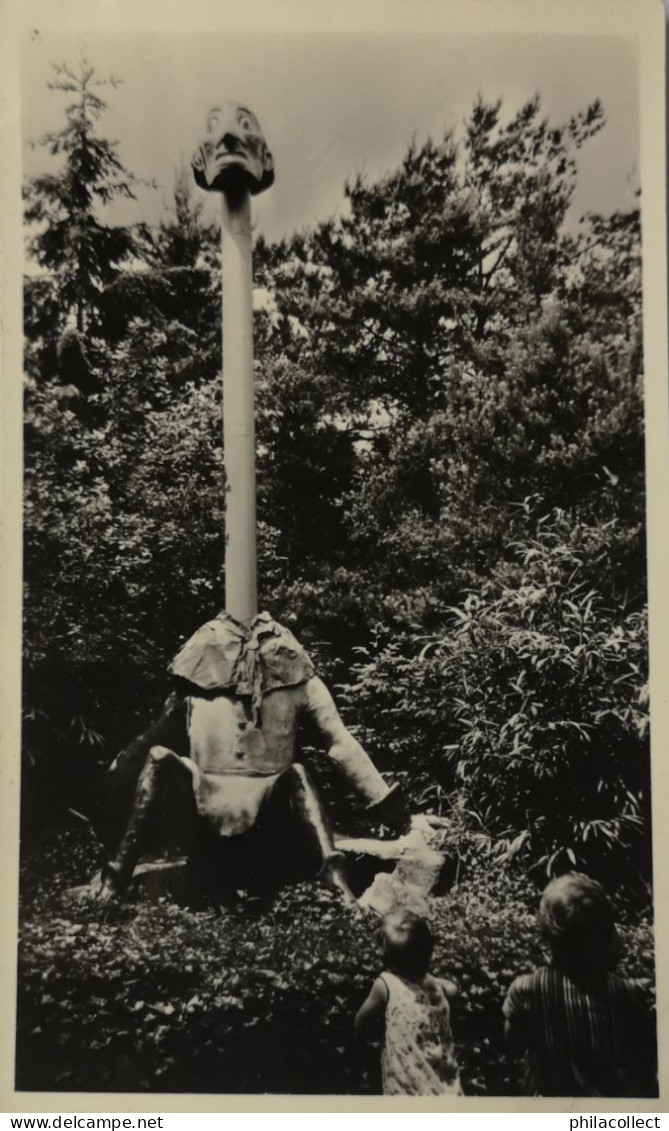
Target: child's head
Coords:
[(576, 921), (407, 945)]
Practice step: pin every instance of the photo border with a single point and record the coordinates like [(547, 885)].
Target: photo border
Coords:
[(643, 19)]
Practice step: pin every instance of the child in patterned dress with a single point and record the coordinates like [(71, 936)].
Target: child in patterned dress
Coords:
[(581, 1029), (408, 1009)]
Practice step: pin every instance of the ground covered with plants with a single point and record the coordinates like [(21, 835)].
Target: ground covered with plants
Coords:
[(148, 996)]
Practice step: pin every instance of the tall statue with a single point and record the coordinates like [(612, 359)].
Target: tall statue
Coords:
[(218, 768), (219, 764)]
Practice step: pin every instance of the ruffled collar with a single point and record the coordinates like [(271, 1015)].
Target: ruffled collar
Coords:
[(246, 659)]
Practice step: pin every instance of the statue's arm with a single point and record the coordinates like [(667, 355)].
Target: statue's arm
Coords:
[(166, 729), (343, 748)]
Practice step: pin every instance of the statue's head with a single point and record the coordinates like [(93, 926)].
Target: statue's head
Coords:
[(234, 152)]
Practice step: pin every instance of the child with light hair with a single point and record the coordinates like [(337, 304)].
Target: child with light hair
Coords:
[(582, 1029), (408, 1010)]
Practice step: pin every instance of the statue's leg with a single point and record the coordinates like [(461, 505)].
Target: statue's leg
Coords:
[(294, 796), (166, 782), (112, 803)]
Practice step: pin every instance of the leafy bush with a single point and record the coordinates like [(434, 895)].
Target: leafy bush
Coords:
[(533, 705), (155, 997)]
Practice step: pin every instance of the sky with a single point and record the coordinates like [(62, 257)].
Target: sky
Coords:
[(333, 105)]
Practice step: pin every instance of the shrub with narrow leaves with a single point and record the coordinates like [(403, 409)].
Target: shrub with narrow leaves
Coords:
[(532, 704)]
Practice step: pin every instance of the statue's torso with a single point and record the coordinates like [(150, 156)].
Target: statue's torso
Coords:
[(223, 739), (236, 758)]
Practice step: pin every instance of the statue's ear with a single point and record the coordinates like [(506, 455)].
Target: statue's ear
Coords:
[(267, 177), (197, 165), (268, 164)]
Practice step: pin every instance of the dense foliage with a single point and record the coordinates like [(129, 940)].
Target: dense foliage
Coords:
[(154, 997), (467, 352), (531, 703)]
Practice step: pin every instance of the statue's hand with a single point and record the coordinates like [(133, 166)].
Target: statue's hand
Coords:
[(392, 810)]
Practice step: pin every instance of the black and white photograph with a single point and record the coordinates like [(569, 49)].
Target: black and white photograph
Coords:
[(338, 383)]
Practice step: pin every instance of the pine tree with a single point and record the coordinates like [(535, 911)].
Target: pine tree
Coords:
[(70, 239)]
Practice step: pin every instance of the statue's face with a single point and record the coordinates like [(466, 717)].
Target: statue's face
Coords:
[(234, 152)]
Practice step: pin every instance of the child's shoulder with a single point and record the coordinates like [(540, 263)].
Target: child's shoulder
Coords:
[(627, 989), (619, 981), (531, 978), (524, 987), (382, 984), (547, 976)]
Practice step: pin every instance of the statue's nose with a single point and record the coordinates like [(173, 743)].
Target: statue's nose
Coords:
[(231, 142)]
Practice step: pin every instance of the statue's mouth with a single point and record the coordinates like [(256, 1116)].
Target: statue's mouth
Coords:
[(230, 152), (227, 158)]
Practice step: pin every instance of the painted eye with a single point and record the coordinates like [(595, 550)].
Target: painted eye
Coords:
[(213, 121), (246, 122)]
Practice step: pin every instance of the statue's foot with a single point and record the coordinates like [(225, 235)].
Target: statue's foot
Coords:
[(104, 887), (334, 874), (82, 892), (98, 889)]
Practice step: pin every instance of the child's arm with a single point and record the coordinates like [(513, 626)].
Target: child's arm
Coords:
[(451, 989), (515, 1039), (368, 1024), (515, 1017)]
